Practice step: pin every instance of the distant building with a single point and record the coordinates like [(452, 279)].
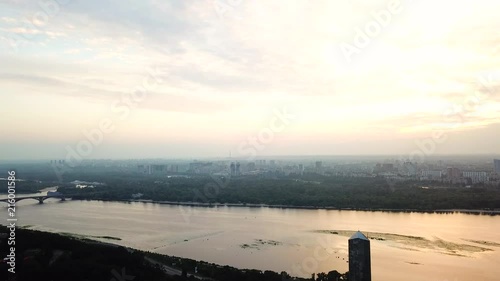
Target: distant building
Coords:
[(238, 170), (384, 168), (476, 177), (359, 258), (201, 167), (158, 168), (233, 168), (496, 164), (431, 175), (388, 167), (145, 169), (251, 166), (261, 162), (319, 165), (453, 174), (408, 169), (174, 168), (55, 162)]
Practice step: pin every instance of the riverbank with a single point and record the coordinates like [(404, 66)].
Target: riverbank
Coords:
[(250, 205), (67, 256), (216, 235)]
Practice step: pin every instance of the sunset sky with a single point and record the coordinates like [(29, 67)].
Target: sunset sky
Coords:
[(354, 76)]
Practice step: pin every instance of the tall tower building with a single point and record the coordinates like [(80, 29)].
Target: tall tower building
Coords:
[(453, 174), (496, 163), (319, 165), (233, 168), (238, 172), (359, 258)]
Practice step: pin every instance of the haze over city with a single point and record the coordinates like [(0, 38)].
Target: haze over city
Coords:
[(358, 77)]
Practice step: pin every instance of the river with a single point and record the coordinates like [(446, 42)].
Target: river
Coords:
[(407, 246)]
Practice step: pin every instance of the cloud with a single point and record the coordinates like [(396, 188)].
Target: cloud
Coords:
[(233, 66), (31, 79), (8, 20)]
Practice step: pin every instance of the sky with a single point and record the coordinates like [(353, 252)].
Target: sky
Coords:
[(209, 78)]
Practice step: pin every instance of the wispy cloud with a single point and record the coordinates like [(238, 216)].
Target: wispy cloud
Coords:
[(234, 68)]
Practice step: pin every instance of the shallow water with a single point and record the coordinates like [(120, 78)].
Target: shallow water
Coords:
[(285, 239)]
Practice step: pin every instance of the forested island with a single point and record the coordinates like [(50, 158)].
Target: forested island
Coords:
[(334, 192), (307, 190)]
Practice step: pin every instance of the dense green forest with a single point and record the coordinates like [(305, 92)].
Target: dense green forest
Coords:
[(44, 256), (309, 190)]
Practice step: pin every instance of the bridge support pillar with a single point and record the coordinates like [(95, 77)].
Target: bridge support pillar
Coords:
[(40, 200)]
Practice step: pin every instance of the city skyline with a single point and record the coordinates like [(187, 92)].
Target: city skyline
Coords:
[(196, 79)]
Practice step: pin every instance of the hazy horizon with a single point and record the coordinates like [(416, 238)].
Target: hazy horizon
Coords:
[(277, 157), (113, 79)]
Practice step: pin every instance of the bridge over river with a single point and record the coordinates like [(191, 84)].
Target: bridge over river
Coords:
[(40, 198)]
